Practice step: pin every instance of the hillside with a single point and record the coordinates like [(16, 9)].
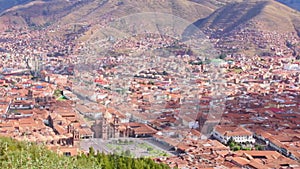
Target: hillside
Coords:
[(37, 13), (41, 13), (257, 27), (18, 155), (263, 27)]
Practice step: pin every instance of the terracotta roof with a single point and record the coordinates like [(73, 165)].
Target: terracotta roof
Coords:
[(240, 160), (139, 128), (232, 131)]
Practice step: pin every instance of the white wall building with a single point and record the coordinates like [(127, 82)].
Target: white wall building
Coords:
[(238, 134)]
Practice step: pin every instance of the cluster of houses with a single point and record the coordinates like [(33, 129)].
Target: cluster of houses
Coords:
[(245, 38), (258, 107)]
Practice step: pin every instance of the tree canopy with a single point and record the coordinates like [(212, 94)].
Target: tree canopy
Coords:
[(15, 154)]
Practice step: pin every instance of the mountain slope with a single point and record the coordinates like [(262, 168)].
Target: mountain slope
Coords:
[(254, 26), (39, 13)]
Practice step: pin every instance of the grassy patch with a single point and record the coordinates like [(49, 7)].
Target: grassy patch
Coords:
[(123, 147), (61, 98)]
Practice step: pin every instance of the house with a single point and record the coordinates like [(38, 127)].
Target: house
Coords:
[(262, 159), (133, 129), (21, 105), (236, 133)]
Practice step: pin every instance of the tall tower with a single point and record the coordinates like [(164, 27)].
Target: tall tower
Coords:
[(30, 94), (116, 126), (37, 63), (34, 64), (105, 126), (97, 128)]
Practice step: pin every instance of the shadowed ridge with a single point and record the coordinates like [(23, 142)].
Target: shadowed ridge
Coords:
[(249, 21), (232, 15)]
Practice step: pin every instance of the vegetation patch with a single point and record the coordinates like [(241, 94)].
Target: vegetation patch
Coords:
[(15, 155)]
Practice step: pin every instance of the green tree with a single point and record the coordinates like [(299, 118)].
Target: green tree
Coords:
[(222, 56), (14, 154), (259, 147), (127, 153), (149, 149), (91, 151)]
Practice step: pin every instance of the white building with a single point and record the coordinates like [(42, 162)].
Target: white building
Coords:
[(238, 134)]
